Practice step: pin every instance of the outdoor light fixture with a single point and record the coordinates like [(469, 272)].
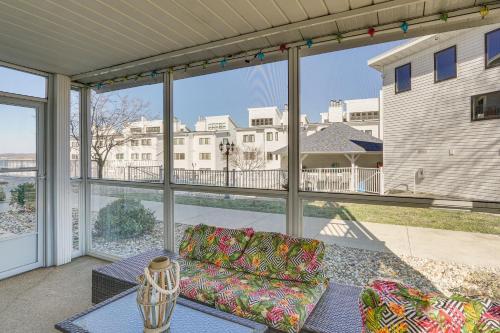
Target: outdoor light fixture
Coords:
[(226, 149)]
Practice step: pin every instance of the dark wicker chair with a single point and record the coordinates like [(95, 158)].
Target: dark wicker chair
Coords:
[(336, 312)]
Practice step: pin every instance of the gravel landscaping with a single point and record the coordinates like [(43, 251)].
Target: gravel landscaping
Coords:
[(356, 266), (17, 222)]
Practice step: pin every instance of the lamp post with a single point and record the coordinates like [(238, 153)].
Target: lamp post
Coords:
[(226, 149)]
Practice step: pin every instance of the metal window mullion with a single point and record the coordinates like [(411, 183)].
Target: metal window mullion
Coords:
[(294, 218), (85, 170), (168, 194)]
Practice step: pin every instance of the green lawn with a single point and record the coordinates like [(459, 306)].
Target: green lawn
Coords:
[(416, 217)]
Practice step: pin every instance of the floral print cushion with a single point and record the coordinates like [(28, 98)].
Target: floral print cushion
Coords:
[(202, 281), (265, 255), (305, 260), (219, 246), (282, 305), (185, 246), (388, 307)]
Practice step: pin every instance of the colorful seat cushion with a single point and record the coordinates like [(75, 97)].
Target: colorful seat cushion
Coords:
[(305, 260), (202, 281), (388, 306), (265, 255), (282, 305), (219, 246), (185, 246)]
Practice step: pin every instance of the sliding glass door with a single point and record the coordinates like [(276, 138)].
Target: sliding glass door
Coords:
[(21, 186)]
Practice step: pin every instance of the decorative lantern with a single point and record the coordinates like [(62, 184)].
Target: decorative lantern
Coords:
[(404, 26), (371, 31), (157, 293), (443, 17)]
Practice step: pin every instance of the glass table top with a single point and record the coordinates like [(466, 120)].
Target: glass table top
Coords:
[(122, 315)]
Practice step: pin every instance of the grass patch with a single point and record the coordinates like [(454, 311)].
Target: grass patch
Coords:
[(414, 217)]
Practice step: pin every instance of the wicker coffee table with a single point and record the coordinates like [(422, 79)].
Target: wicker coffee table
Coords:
[(120, 314)]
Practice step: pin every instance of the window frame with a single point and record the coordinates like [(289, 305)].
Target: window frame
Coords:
[(396, 91), (435, 64), (472, 107), (486, 49)]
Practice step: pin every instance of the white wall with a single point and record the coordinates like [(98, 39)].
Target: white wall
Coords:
[(422, 126)]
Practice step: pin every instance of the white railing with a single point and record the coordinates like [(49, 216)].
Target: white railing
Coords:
[(340, 180)]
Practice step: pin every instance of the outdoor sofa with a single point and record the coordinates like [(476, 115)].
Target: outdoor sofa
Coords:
[(267, 277)]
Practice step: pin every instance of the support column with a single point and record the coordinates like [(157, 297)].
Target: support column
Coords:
[(294, 207), (168, 193), (63, 231)]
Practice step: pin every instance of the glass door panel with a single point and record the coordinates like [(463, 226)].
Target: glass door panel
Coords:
[(21, 229)]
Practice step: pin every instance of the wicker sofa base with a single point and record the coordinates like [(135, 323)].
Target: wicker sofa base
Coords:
[(336, 312)]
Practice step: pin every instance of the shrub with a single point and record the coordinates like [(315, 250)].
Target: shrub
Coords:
[(2, 194), (23, 196), (123, 218)]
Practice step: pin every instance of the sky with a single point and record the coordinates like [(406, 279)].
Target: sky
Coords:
[(336, 75)]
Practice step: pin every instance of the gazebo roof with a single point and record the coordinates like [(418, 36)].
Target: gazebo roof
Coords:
[(338, 138)]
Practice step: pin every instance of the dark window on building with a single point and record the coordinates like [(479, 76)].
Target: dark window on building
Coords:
[(486, 106), (403, 78), (492, 43), (445, 64)]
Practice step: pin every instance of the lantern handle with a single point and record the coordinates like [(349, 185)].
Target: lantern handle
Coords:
[(160, 289)]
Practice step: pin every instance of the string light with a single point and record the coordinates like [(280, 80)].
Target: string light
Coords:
[(223, 62), (484, 11), (260, 55), (404, 26), (283, 47), (339, 38), (309, 43), (443, 17), (371, 31)]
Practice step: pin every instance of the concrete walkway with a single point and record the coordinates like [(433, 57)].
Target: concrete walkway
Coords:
[(473, 249)]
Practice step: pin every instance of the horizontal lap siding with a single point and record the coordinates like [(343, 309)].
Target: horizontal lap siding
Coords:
[(422, 126)]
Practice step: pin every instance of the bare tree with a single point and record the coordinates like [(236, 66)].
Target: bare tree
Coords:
[(110, 114), (247, 158)]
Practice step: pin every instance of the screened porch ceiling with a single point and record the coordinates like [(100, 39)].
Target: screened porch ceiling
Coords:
[(104, 39)]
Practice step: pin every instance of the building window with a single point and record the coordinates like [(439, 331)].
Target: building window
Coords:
[(249, 155), (135, 130), (445, 64), (74, 156), (146, 142), (276, 136), (205, 156), (369, 132), (216, 126), (249, 138), (75, 144), (204, 141), (179, 156), (119, 156), (134, 156), (492, 47), (225, 141), (178, 141), (155, 129), (146, 156), (403, 78), (262, 122), (486, 106), (269, 156), (134, 143), (269, 136)]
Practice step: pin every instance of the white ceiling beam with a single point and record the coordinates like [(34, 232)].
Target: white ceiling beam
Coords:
[(247, 37)]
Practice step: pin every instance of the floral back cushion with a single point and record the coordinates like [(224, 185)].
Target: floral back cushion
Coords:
[(265, 255), (305, 260), (219, 246), (388, 306), (186, 247)]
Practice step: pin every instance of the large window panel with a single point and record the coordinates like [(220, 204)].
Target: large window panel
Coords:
[(125, 221), (228, 124), (227, 211), (434, 249), (126, 130), (22, 83)]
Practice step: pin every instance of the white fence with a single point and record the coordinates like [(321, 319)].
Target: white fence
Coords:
[(341, 180)]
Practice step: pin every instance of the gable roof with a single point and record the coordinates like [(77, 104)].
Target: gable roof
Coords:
[(338, 138)]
